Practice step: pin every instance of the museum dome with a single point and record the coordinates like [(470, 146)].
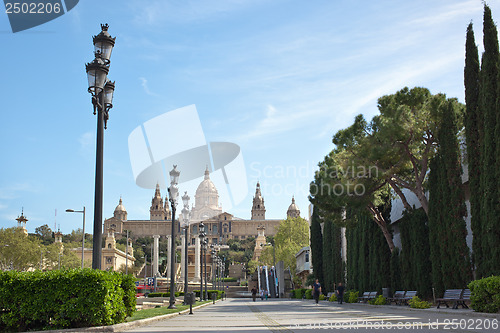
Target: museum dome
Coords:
[(207, 187), (120, 211)]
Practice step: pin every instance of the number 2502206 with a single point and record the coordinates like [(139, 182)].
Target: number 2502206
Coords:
[(32, 8)]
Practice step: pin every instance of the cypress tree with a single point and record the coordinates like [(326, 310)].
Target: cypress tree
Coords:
[(317, 246), (395, 271), (338, 269), (488, 96), (473, 130), (436, 233), (327, 260)]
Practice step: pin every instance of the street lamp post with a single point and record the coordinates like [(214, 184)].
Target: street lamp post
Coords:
[(205, 247), (83, 236), (202, 236), (102, 91), (186, 215), (173, 193), (212, 256)]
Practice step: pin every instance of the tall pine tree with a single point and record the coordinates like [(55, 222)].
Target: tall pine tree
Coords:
[(473, 131)]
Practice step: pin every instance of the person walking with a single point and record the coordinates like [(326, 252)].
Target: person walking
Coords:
[(254, 293), (262, 295), (316, 290), (340, 293), (266, 294)]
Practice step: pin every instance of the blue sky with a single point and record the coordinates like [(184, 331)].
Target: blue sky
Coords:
[(278, 78)]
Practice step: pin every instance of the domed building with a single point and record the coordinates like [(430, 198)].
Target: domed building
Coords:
[(206, 200), (220, 226)]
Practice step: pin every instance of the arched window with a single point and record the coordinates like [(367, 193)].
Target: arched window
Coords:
[(109, 245)]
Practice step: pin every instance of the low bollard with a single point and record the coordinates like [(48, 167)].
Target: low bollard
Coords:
[(190, 299)]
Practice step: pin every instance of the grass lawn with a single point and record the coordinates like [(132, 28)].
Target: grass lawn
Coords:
[(148, 313)]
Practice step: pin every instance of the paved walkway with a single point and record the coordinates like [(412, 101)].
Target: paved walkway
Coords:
[(282, 315)]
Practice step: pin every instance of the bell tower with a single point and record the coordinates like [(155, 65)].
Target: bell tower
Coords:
[(157, 211), (258, 208)]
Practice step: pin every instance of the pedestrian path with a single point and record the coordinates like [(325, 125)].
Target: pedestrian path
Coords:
[(284, 315)]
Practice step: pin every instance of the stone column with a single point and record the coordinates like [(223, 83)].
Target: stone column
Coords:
[(197, 257), (155, 255), (183, 253), (169, 247)]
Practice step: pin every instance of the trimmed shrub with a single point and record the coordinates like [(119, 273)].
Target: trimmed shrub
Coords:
[(379, 300), (351, 296), (309, 294), (197, 293), (230, 279), (322, 297), (485, 294), (62, 299), (299, 293), (333, 298), (416, 303), (129, 290)]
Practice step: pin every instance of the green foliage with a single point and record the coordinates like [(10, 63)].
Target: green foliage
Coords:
[(473, 130), (367, 254), (333, 298), (351, 296), (45, 234), (229, 279), (489, 182), (395, 269), (291, 236), (167, 294), (415, 262), (332, 261), (322, 297), (209, 291), (379, 300), (62, 299), (449, 250), (309, 294), (299, 293), (485, 294), (129, 291), (22, 252), (310, 280), (416, 303), (317, 246)]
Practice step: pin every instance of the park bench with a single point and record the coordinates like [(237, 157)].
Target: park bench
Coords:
[(372, 295), (408, 296), (464, 298), (457, 296), (397, 297), (364, 298)]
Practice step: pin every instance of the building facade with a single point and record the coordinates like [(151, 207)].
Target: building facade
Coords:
[(220, 226)]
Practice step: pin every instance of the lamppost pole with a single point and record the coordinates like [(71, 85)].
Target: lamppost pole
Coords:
[(102, 96), (205, 248), (173, 192), (201, 236), (186, 214), (83, 236)]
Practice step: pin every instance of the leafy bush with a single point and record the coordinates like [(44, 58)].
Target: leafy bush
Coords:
[(229, 279), (309, 294), (62, 299), (379, 300), (333, 298), (299, 293), (416, 303), (485, 294), (155, 294), (322, 297), (351, 296)]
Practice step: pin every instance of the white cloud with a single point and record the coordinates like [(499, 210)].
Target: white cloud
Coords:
[(144, 84)]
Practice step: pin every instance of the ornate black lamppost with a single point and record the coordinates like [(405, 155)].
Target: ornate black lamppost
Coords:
[(205, 246), (202, 237), (173, 193), (102, 97), (186, 215)]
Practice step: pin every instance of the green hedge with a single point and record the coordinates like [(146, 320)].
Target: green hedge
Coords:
[(309, 294), (351, 296), (298, 293), (230, 279), (219, 293), (485, 294), (64, 299), (167, 294)]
